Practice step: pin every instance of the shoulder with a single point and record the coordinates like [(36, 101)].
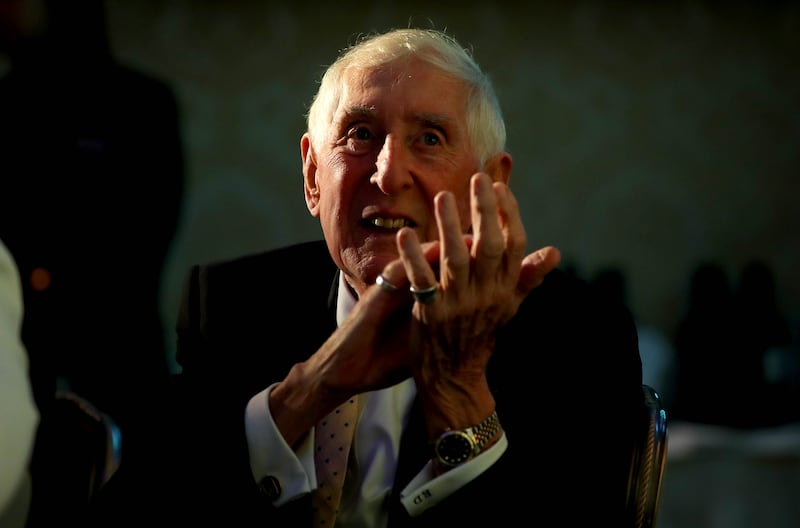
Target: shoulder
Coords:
[(242, 299), (292, 258), (561, 292), (284, 273), (565, 315)]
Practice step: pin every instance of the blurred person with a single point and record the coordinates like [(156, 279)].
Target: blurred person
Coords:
[(764, 357), (704, 345), (93, 182), (18, 413), (659, 364), (489, 385)]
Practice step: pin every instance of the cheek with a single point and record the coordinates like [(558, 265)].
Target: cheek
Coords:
[(348, 171), (338, 192), (337, 165)]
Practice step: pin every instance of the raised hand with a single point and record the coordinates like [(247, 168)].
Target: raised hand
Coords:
[(468, 288)]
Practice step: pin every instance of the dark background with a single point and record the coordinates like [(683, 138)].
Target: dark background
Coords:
[(651, 136)]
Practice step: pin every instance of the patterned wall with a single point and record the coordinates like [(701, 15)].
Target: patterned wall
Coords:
[(649, 136)]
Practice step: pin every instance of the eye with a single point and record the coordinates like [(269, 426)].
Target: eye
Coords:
[(361, 133), (358, 138), (430, 139)]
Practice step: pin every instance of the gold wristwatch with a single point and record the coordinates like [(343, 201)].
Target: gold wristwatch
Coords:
[(456, 447)]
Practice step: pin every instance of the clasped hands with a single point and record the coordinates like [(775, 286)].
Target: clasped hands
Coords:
[(482, 279), (444, 343)]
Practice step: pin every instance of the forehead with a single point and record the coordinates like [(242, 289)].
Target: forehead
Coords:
[(409, 86)]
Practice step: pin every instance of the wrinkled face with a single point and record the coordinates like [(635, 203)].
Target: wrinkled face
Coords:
[(398, 137)]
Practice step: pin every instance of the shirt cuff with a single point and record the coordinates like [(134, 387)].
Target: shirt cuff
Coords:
[(271, 456), (426, 490)]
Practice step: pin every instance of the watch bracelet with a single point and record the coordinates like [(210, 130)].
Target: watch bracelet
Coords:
[(485, 430)]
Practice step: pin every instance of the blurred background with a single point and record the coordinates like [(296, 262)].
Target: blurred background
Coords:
[(652, 141), (647, 136)]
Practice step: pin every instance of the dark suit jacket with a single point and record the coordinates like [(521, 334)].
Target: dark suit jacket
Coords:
[(566, 376)]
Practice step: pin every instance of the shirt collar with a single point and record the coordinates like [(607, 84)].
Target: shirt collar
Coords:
[(345, 301)]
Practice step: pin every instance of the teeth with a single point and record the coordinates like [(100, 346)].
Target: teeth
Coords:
[(390, 223)]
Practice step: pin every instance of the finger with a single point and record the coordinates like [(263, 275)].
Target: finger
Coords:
[(393, 277), (385, 284), (514, 237), (488, 246), (394, 273), (389, 292), (454, 258), (535, 266), (418, 270)]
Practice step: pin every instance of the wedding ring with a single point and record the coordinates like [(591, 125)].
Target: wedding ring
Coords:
[(385, 284), (425, 295)]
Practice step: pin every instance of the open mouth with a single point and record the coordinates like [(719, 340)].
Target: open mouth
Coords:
[(392, 224)]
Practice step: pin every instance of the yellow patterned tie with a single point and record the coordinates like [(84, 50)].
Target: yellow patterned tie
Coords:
[(334, 434)]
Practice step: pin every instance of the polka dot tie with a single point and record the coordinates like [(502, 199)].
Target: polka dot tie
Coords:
[(334, 434)]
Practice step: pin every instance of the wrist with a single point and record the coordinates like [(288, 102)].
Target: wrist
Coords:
[(455, 447)]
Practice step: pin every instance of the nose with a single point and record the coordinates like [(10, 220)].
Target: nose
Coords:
[(392, 170)]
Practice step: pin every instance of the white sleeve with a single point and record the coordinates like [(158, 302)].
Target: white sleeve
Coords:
[(19, 416), (425, 490), (270, 455)]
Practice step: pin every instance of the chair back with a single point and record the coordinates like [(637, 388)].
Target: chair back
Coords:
[(78, 450), (648, 461), (90, 441)]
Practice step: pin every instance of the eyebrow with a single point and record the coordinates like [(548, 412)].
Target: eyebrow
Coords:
[(432, 120), (360, 111), (427, 119)]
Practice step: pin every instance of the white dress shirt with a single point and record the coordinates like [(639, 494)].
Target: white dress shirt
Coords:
[(373, 460)]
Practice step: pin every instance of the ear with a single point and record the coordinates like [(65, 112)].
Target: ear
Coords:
[(499, 167), (309, 175)]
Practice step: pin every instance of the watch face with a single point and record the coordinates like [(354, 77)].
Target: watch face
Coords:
[(454, 448)]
